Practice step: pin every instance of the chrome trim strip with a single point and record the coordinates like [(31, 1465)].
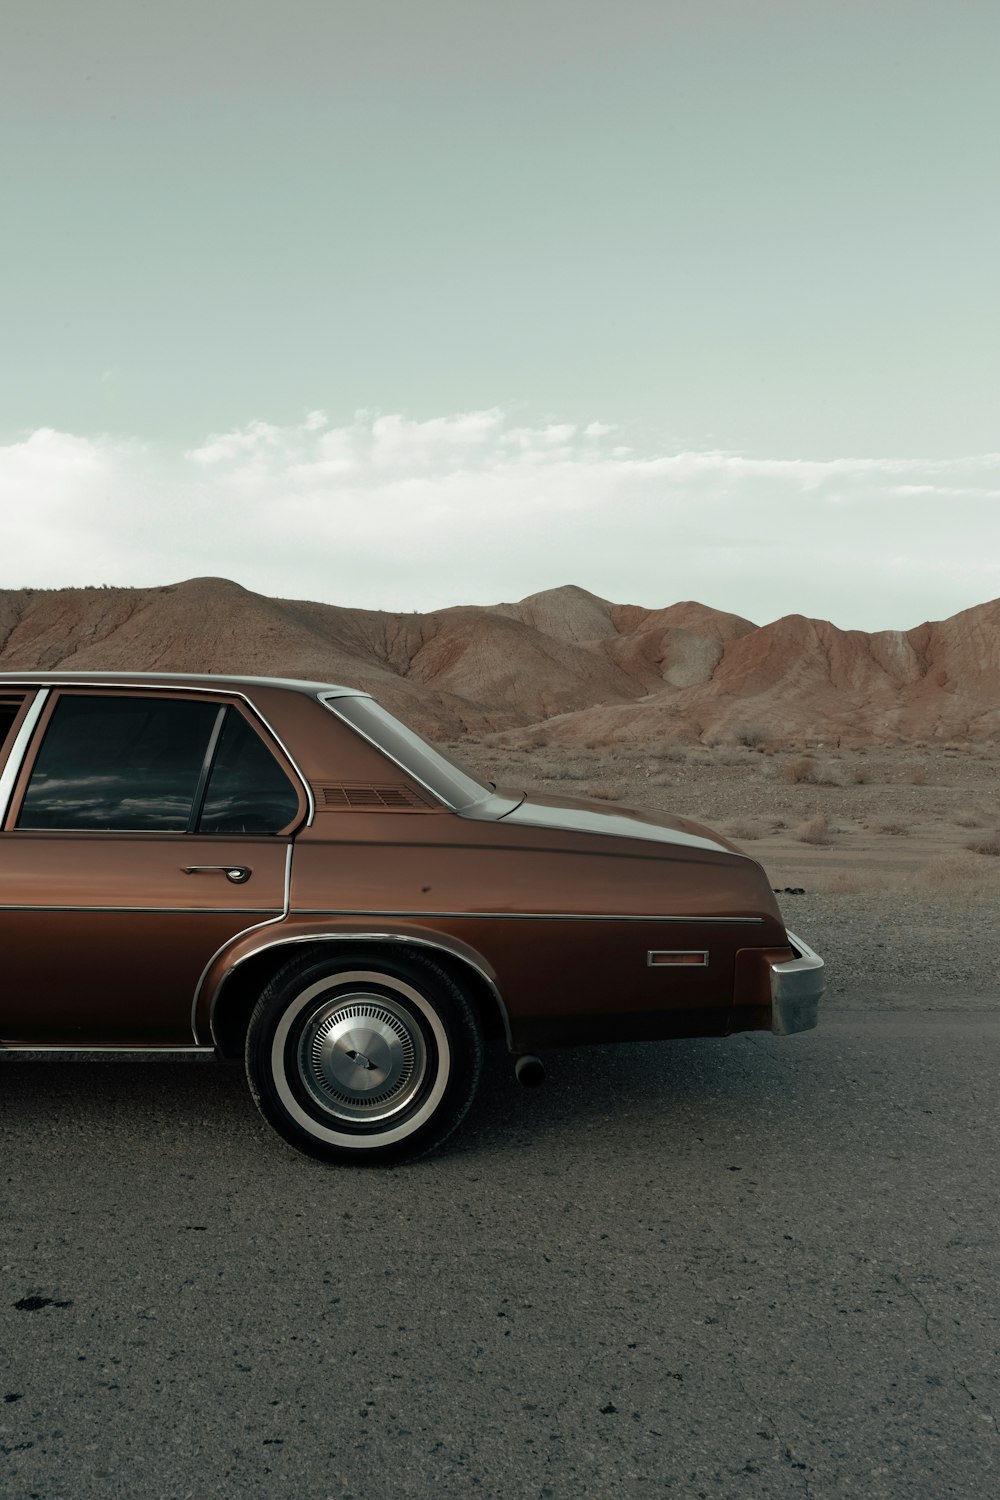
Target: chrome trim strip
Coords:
[(31, 679), (254, 927), (12, 767), (371, 937), (192, 684), (109, 1051), (165, 911), (655, 958), (522, 916)]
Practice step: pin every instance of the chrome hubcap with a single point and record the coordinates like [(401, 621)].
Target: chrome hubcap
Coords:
[(362, 1057)]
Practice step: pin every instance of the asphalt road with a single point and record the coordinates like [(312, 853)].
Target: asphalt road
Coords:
[(753, 1267)]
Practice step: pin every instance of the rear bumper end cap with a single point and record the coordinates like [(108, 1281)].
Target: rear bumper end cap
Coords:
[(797, 987)]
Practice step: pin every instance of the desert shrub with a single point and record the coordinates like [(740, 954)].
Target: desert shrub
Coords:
[(950, 869), (862, 776), (602, 790), (803, 769), (815, 830), (673, 754), (969, 820), (559, 770), (750, 735), (918, 777), (987, 843), (747, 828), (894, 827), (728, 755)]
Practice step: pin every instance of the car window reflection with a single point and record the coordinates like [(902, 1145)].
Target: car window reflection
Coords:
[(146, 764), (119, 763), (248, 792)]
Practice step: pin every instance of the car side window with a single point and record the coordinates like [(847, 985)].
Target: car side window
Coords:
[(119, 763), (247, 792)]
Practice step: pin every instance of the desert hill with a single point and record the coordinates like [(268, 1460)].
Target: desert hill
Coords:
[(594, 671)]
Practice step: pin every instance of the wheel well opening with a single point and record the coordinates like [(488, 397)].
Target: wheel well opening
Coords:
[(242, 988)]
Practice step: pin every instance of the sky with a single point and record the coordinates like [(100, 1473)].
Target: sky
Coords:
[(409, 303)]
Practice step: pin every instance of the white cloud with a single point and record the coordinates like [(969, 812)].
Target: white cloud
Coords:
[(389, 512), (947, 492)]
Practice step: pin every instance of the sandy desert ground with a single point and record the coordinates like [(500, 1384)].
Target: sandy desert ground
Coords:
[(897, 851)]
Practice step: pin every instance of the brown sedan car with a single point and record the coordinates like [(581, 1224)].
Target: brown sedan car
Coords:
[(283, 870)]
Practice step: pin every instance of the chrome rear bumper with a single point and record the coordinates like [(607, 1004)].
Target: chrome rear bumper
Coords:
[(796, 988)]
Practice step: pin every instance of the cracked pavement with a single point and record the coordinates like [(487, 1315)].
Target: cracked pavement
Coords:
[(745, 1268)]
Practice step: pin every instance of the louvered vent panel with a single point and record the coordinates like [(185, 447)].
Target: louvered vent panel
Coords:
[(359, 797)]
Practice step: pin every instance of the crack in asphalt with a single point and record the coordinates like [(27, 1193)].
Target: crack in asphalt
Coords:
[(956, 1377)]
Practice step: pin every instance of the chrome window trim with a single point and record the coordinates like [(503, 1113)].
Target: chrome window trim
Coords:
[(254, 927), (308, 686), (12, 767), (369, 937), (193, 684)]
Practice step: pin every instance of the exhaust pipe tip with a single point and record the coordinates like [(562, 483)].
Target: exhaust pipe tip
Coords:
[(529, 1071)]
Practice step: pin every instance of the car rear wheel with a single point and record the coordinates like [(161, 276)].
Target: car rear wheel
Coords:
[(363, 1060)]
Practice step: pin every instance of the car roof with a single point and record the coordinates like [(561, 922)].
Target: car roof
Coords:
[(178, 679)]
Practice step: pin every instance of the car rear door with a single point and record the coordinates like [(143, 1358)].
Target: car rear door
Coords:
[(143, 831)]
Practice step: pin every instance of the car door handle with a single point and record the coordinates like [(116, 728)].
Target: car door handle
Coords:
[(238, 874)]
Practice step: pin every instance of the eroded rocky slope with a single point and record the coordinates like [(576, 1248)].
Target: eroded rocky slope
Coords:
[(595, 672)]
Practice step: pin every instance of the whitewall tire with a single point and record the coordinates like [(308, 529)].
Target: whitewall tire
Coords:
[(362, 1059)]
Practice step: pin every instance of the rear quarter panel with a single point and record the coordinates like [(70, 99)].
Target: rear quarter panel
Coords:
[(563, 922)]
